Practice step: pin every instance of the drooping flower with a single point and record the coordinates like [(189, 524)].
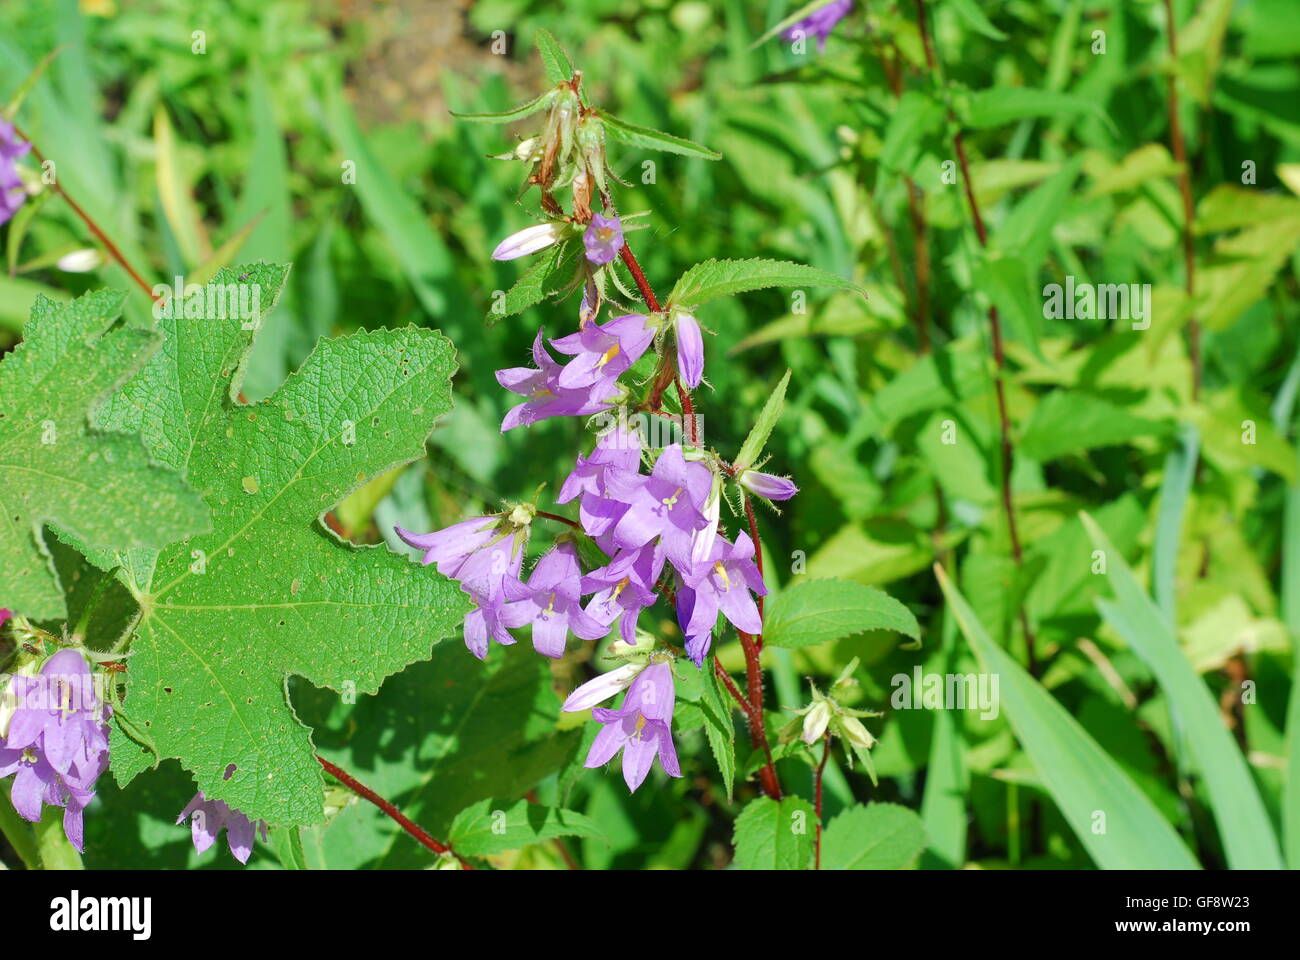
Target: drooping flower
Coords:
[(722, 582), (602, 688), (551, 602), (668, 504), (603, 238), (614, 462), (603, 350), (209, 817), (529, 240), (484, 554), (819, 23), (641, 728), (546, 398), (624, 587), (767, 485), (12, 193), (690, 348), (57, 742)]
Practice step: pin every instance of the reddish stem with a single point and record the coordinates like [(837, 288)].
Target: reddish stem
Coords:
[(999, 355), (731, 686), (1185, 188), (642, 284), (102, 237), (361, 790), (557, 518)]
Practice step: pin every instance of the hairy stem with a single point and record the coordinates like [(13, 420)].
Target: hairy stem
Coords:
[(999, 355), (100, 235), (1185, 188), (361, 790)]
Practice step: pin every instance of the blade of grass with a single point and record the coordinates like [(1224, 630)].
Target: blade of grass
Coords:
[(1248, 838), (1116, 822), (943, 808)]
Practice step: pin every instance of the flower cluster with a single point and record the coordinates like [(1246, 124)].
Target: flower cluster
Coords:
[(56, 741), (12, 193)]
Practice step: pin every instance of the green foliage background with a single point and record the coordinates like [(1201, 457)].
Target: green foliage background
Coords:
[(240, 154)]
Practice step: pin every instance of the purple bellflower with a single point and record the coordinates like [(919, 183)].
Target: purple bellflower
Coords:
[(603, 238), (484, 554), (551, 602), (722, 582), (616, 459), (819, 23), (624, 587), (57, 742), (668, 504), (546, 398), (209, 817), (641, 728), (603, 351), (12, 193)]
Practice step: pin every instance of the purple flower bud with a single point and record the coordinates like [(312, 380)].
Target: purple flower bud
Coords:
[(690, 349), (767, 485), (529, 240), (602, 688), (209, 817), (641, 728), (603, 238)]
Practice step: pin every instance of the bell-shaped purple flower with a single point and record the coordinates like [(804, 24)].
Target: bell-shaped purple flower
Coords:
[(209, 817), (603, 238), (12, 193), (767, 485), (56, 746), (690, 348), (614, 462), (551, 602), (546, 398), (641, 728), (819, 23), (484, 554), (668, 504), (601, 351), (722, 582), (624, 587)]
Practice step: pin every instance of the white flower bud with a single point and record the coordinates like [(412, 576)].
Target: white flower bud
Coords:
[(602, 688), (815, 721)]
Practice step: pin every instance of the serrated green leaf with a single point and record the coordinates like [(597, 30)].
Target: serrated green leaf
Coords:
[(875, 836), (819, 611), (724, 278), (775, 835), (767, 420), (226, 616), (650, 139), (484, 828), (532, 286), (535, 105), (554, 60), (719, 725), (55, 468)]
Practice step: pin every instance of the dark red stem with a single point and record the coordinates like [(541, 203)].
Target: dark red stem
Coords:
[(361, 790)]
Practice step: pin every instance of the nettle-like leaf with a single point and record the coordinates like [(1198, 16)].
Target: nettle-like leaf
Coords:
[(712, 279), (775, 834), (227, 616), (485, 828), (877, 836), (648, 138), (819, 611), (56, 468)]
